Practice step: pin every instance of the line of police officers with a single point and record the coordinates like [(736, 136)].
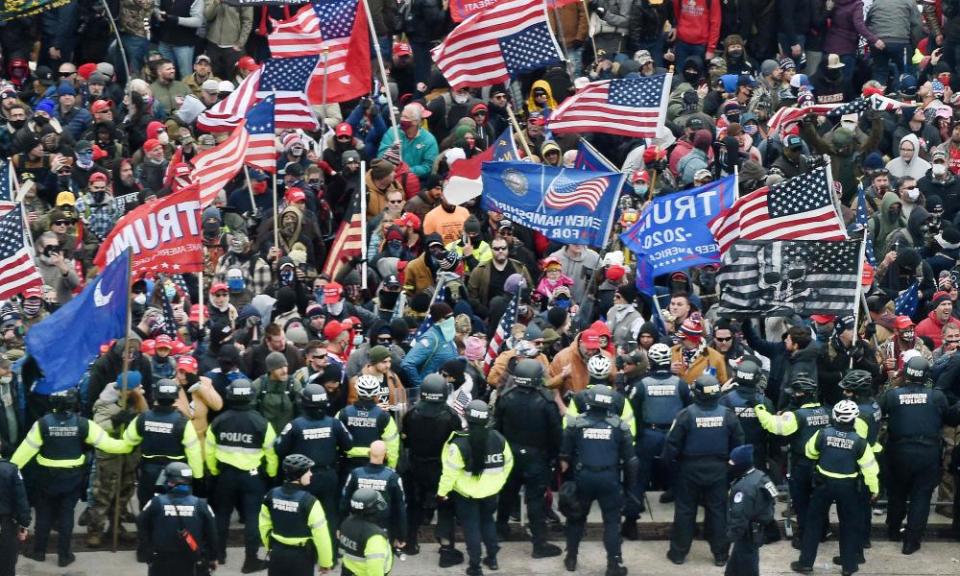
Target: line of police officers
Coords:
[(462, 472)]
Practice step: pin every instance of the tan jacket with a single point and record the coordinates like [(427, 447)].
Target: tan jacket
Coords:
[(578, 378), (499, 369), (708, 357), (205, 399), (398, 394), (417, 277)]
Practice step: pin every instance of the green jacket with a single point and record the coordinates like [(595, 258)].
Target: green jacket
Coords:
[(227, 25)]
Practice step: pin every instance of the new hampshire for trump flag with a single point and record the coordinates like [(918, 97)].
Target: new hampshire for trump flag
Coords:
[(566, 205), (70, 338)]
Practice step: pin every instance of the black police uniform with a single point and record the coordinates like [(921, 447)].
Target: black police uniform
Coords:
[(915, 416), (529, 419), (701, 440), (162, 528), (366, 424), (162, 430), (749, 510), (385, 481), (742, 400), (321, 438), (657, 400), (290, 537), (596, 445), (14, 514), (425, 430)]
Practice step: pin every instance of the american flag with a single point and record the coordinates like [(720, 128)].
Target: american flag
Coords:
[(348, 243), (286, 79), (7, 188), (503, 332), (296, 36), (169, 320), (801, 208), (861, 222), (262, 147), (439, 295), (565, 192), (17, 268), (908, 301), (227, 113), (346, 39), (782, 278), (498, 43), (217, 166), (632, 107)]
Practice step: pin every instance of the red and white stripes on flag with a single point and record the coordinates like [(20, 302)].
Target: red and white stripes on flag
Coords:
[(227, 113), (503, 332), (348, 244), (296, 36), (217, 166), (18, 271), (632, 107)]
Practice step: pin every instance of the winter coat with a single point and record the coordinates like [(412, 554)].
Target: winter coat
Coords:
[(895, 21), (571, 19), (227, 25), (698, 22), (578, 378), (916, 168), (846, 27)]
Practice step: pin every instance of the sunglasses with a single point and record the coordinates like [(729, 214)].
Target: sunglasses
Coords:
[(66, 74), (63, 222), (499, 248), (718, 339), (480, 114), (395, 201)]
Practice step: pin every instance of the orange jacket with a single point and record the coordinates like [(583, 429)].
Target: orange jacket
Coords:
[(578, 378)]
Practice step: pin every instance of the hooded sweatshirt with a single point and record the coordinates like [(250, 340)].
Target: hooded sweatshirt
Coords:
[(881, 224), (915, 168), (698, 22)]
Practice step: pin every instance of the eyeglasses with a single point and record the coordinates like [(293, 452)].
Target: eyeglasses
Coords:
[(317, 357), (66, 74), (499, 248), (63, 222), (506, 232), (395, 201), (719, 339), (344, 138)]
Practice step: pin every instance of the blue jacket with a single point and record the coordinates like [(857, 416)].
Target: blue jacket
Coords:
[(426, 356), (370, 131), (76, 122)]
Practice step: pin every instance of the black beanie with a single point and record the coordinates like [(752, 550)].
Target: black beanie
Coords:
[(557, 317), (454, 369)]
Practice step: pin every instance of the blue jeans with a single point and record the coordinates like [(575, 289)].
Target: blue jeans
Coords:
[(891, 59), (181, 56), (682, 51), (136, 48), (575, 61)]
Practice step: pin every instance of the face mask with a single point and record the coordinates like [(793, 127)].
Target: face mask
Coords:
[(736, 53), (336, 308), (85, 159), (31, 306), (388, 299), (296, 151), (140, 299), (286, 277), (733, 118), (448, 328), (562, 303), (357, 340), (163, 138), (913, 194), (237, 245), (640, 189), (939, 169), (405, 124), (236, 284), (258, 187), (908, 335), (41, 120), (460, 97), (17, 124), (170, 291), (823, 331), (750, 129), (691, 76)]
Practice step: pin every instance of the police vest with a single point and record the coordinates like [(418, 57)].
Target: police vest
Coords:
[(353, 535), (580, 400), (496, 446), (521, 416), (289, 509), (661, 400), (63, 436), (315, 438), (708, 432), (598, 441), (742, 401), (365, 425), (162, 433), (912, 414), (426, 429), (839, 451), (239, 431), (173, 513), (809, 420), (870, 413)]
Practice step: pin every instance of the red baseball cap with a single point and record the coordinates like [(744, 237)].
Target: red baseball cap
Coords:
[(164, 341), (332, 292), (408, 219), (33, 292), (148, 347), (401, 49), (344, 129), (151, 144), (219, 287), (195, 314), (333, 328), (902, 322), (295, 195), (590, 339), (101, 105), (823, 318), (97, 177), (187, 364)]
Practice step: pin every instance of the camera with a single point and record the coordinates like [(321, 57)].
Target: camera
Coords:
[(51, 250)]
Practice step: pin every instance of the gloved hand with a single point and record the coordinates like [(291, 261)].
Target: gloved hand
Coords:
[(856, 351), (122, 419)]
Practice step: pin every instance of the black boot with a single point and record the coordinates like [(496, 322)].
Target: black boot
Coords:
[(860, 560), (67, 559), (570, 562), (474, 570), (253, 564), (629, 530), (798, 567), (450, 556), (411, 548), (910, 546), (491, 563), (616, 568), (546, 550)]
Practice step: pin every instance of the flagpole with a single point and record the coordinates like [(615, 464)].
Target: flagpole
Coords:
[(516, 126), (383, 70), (123, 56), (200, 292), (593, 40), (363, 224), (253, 202), (128, 323), (859, 292), (276, 229), (323, 101)]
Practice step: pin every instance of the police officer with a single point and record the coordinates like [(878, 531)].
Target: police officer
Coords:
[(363, 543), (476, 465), (14, 515), (841, 456), (596, 445), (598, 369), (57, 440), (701, 439), (656, 401), (915, 416), (426, 427), (366, 422), (293, 527), (387, 482), (177, 531), (527, 416), (857, 385), (749, 510), (164, 435), (741, 399), (800, 422), (237, 444), (323, 439)]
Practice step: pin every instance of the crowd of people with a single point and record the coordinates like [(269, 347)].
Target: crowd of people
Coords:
[(324, 385)]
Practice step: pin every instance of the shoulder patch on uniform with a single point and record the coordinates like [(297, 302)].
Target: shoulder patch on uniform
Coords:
[(286, 428), (424, 342), (738, 497), (772, 489)]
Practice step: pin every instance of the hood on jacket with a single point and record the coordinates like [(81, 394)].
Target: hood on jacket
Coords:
[(912, 138), (544, 85)]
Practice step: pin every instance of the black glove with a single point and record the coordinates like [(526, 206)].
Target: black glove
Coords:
[(122, 419), (173, 19), (856, 351)]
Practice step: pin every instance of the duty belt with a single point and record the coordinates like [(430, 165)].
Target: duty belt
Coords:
[(589, 468)]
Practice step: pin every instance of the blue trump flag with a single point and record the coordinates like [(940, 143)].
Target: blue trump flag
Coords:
[(673, 234), (908, 301), (566, 205), (67, 341)]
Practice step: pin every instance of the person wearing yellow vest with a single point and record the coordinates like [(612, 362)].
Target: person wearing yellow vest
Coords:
[(363, 543), (57, 440), (471, 247), (238, 442), (291, 520), (476, 465)]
